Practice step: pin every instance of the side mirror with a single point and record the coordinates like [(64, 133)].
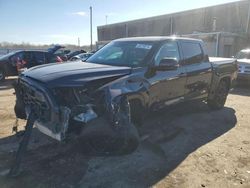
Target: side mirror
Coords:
[(168, 64)]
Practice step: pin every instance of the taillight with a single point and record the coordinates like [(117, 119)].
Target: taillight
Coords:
[(58, 59)]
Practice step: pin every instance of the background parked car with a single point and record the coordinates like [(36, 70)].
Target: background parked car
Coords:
[(58, 51), (12, 63), (243, 58), (74, 53), (82, 56)]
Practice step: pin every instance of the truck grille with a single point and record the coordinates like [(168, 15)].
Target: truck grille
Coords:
[(35, 98), (244, 68)]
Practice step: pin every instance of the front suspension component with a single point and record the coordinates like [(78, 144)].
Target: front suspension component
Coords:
[(15, 169)]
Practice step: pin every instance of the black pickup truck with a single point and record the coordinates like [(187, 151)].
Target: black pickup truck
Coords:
[(117, 86)]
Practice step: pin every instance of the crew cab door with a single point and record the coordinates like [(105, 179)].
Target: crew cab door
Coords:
[(198, 69), (168, 86)]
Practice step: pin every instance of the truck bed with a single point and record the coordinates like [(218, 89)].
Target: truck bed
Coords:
[(220, 60), (224, 66)]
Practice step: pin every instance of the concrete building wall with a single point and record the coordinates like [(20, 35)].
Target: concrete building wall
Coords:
[(230, 17)]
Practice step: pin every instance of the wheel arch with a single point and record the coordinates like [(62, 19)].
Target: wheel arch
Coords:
[(216, 81)]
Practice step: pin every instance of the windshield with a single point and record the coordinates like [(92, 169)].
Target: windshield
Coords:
[(243, 55), (123, 53)]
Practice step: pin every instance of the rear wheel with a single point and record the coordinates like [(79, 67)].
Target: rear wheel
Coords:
[(220, 96), (2, 75)]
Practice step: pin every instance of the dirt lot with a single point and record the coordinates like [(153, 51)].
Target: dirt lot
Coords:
[(188, 146)]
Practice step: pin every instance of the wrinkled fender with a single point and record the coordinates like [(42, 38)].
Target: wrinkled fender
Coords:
[(223, 72), (122, 90)]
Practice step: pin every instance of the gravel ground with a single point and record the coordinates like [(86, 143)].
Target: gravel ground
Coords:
[(185, 146)]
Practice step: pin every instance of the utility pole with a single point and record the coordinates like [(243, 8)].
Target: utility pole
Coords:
[(106, 19), (248, 17), (78, 41), (91, 45)]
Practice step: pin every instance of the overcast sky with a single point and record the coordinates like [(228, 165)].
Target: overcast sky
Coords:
[(63, 21)]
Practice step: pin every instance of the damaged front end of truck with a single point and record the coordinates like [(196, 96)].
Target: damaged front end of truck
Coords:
[(97, 111)]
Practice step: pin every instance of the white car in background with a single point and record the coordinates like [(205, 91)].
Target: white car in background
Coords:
[(243, 58)]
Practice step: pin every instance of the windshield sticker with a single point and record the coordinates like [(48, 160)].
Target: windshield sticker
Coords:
[(144, 46)]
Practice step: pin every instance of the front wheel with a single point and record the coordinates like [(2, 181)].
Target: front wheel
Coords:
[(219, 99), (99, 139), (2, 75)]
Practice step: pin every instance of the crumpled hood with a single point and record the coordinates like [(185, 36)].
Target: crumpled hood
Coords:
[(73, 73)]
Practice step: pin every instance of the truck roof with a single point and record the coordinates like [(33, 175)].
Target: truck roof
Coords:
[(157, 38)]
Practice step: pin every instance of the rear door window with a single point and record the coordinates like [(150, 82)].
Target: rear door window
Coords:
[(36, 58), (40, 58), (192, 52)]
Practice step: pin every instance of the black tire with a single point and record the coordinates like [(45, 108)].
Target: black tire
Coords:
[(137, 113), (100, 139), (19, 110), (2, 75), (130, 142), (220, 96), (19, 106)]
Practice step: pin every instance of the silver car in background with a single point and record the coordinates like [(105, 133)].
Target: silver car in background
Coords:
[(243, 58), (82, 56)]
